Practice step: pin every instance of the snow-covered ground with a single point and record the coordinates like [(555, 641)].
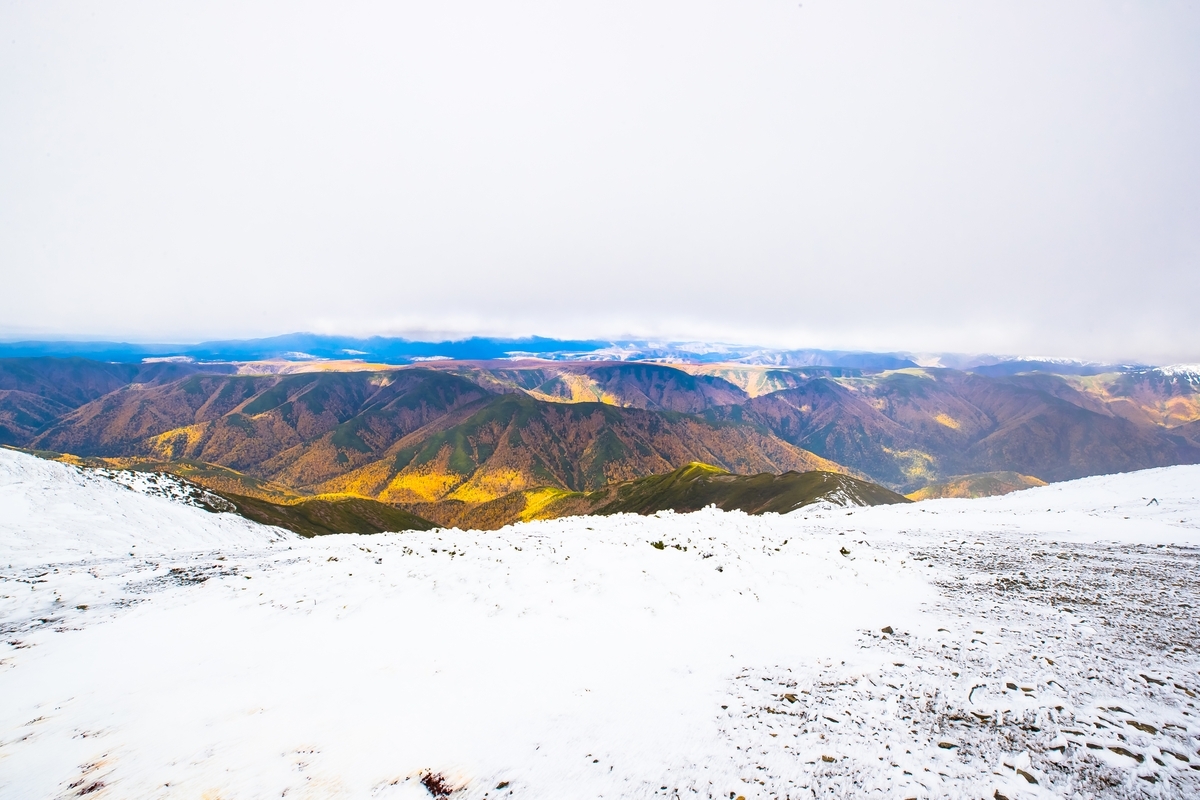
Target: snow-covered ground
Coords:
[(1042, 644)]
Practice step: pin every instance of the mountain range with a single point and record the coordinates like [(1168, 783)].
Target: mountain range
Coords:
[(300, 347), (466, 433)]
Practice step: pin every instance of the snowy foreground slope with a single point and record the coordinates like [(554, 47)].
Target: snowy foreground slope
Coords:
[(1042, 644)]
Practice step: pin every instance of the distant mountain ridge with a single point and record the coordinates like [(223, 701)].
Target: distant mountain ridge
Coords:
[(301, 347), (297, 347)]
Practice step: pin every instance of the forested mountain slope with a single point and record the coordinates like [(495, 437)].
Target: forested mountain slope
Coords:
[(477, 431)]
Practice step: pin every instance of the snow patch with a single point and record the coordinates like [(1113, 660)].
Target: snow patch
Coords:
[(53, 512), (1189, 371), (950, 648)]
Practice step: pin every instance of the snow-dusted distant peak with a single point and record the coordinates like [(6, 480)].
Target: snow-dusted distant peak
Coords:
[(1059, 360), (1189, 371), (169, 360)]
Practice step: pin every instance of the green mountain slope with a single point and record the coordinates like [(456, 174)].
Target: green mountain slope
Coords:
[(696, 486), (318, 516), (689, 488), (514, 442)]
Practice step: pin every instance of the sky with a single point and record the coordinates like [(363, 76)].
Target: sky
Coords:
[(1006, 177)]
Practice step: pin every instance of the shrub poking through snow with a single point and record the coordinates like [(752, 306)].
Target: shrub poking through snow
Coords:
[(436, 784)]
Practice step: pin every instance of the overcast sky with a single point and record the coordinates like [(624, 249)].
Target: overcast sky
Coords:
[(1014, 177)]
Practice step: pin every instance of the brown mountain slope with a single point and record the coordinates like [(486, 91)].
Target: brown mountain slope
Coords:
[(909, 428), (626, 384), (23, 414), (657, 386), (245, 421), (1189, 431), (120, 422), (826, 417), (37, 392), (515, 443), (1038, 433), (984, 484), (75, 381), (1147, 397)]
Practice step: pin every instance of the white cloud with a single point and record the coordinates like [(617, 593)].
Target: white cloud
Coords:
[(934, 176)]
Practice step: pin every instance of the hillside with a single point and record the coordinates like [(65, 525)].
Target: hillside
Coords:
[(75, 381), (689, 488), (299, 429), (986, 484), (23, 414), (697, 486), (908, 428), (1166, 396), (319, 516), (514, 442), (657, 387), (37, 392)]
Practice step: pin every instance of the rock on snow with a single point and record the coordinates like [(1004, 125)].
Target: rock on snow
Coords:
[(1041, 644)]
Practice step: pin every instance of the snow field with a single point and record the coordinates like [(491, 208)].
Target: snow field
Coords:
[(575, 658), (52, 512)]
